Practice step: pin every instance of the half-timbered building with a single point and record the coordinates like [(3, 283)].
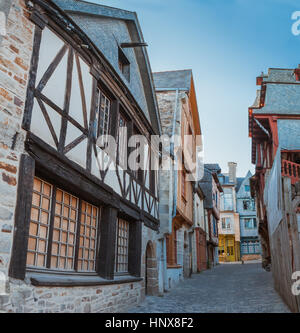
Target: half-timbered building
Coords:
[(83, 224), (274, 128)]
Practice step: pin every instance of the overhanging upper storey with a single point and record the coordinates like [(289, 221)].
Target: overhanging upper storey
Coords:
[(75, 96), (277, 99), (116, 33)]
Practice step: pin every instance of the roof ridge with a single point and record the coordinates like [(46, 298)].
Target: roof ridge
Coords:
[(176, 70), (101, 5)]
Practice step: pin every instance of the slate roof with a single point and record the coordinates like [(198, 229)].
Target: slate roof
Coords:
[(280, 75), (281, 98), (206, 183), (104, 37), (289, 133), (257, 100), (224, 180), (239, 183), (244, 180), (173, 79)]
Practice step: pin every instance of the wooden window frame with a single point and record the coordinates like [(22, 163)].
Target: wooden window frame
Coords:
[(124, 64), (137, 174), (76, 184), (122, 243), (100, 113), (77, 234), (126, 121), (171, 247)]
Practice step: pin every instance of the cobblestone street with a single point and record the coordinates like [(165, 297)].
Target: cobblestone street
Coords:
[(228, 288)]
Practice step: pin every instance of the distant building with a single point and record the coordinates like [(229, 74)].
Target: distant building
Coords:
[(179, 116), (200, 231), (212, 190), (229, 227), (250, 243)]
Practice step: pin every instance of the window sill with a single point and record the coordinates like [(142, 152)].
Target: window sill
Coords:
[(173, 266), (52, 280)]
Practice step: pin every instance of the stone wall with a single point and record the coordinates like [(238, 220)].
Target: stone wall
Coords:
[(149, 237), (249, 257), (24, 297), (15, 55), (166, 102)]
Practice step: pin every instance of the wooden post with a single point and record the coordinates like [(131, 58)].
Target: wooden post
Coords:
[(291, 222)]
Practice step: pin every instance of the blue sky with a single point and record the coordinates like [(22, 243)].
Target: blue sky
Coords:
[(227, 43)]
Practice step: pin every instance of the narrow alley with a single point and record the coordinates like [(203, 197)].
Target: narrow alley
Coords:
[(229, 288), (144, 142)]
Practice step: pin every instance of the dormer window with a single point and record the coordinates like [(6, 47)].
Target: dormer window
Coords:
[(124, 64)]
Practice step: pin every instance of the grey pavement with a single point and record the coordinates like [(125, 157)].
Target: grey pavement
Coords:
[(230, 288)]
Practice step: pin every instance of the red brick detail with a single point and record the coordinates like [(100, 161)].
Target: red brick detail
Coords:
[(8, 167), (9, 180)]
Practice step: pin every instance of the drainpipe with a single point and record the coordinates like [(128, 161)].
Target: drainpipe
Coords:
[(172, 151), (175, 158)]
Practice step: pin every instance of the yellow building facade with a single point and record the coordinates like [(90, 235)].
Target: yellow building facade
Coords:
[(229, 249), (229, 225)]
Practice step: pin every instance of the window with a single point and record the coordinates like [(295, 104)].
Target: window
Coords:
[(249, 205), (227, 199), (226, 223), (138, 172), (214, 225), (171, 244), (250, 247), (153, 167), (55, 225), (124, 65), (230, 251), (122, 141), (183, 184), (122, 246), (250, 224), (39, 223), (103, 114)]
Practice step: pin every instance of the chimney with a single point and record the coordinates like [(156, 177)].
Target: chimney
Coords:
[(232, 172)]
